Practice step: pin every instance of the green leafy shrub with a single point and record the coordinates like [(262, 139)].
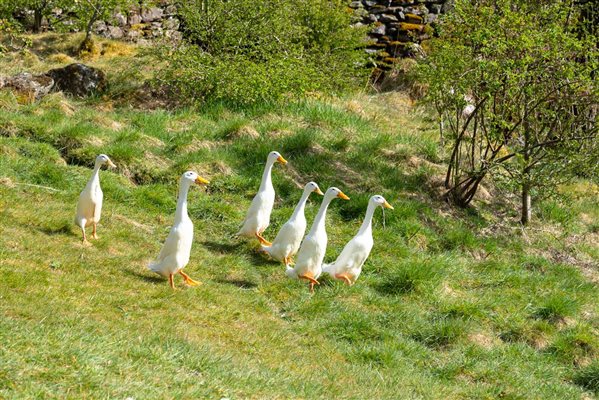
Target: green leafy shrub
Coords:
[(246, 52)]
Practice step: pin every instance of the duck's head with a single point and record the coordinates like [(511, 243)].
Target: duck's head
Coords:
[(313, 187), (380, 201), (191, 177), (333, 193), (275, 156), (103, 159)]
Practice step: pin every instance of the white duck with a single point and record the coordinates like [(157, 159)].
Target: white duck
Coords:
[(348, 265), (89, 207), (258, 216), (175, 252), (290, 236), (314, 246)]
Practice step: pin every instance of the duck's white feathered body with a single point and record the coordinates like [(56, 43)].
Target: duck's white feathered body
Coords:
[(348, 266), (312, 250), (289, 238), (89, 207), (258, 215), (352, 257), (310, 255), (175, 252)]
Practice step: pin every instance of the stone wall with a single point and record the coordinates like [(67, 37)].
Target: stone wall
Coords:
[(142, 24), (399, 26), (136, 24)]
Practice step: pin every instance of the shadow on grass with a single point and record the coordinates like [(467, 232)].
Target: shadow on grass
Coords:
[(64, 229), (155, 279), (222, 248), (240, 283)]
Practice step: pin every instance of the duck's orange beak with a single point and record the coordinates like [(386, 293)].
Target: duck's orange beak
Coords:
[(282, 160), (201, 181), (342, 195), (318, 191), (387, 205), (111, 164)]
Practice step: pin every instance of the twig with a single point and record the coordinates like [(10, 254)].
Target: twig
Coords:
[(37, 186)]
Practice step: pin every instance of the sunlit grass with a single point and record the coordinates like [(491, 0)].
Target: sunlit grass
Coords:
[(451, 304)]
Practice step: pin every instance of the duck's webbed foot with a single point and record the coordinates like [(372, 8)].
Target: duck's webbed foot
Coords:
[(262, 240), (188, 280), (344, 277), (310, 277)]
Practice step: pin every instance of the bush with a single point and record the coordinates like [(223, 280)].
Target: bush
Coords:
[(245, 52)]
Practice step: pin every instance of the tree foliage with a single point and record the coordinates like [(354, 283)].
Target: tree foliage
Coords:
[(246, 51), (524, 73)]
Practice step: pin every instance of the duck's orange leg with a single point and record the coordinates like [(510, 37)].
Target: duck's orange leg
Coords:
[(170, 281), (188, 280), (310, 277), (262, 240), (345, 277)]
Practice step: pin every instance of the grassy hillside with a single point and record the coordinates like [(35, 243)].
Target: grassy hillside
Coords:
[(451, 304)]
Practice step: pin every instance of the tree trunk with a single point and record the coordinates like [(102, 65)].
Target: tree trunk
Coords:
[(526, 203), (37, 20)]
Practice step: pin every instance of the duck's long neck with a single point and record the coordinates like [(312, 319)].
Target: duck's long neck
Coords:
[(266, 178), (95, 178), (319, 220), (367, 224), (181, 213), (301, 205)]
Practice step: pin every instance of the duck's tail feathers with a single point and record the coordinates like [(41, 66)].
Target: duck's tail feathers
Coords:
[(328, 268), (290, 272), (265, 249), (154, 266)]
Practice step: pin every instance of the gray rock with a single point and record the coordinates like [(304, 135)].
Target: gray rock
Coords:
[(36, 86), (120, 19), (355, 4), (430, 18), (369, 3), (133, 35), (388, 18), (170, 9), (99, 27), (171, 23), (114, 32), (173, 36), (134, 19), (436, 8), (379, 30), (151, 14), (78, 80), (372, 18)]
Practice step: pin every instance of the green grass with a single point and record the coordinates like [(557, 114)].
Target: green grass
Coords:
[(451, 304)]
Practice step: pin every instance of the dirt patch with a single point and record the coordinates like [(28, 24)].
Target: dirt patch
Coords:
[(132, 222), (245, 131), (6, 181), (295, 176), (483, 339)]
